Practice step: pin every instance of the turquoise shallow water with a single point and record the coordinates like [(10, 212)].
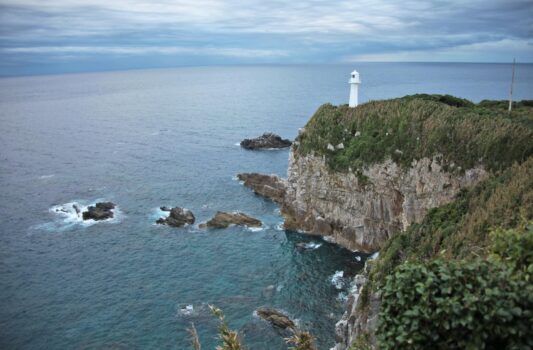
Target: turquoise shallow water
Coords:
[(168, 137)]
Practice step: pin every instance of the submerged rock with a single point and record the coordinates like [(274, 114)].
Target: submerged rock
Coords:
[(178, 217), (266, 141), (223, 220), (275, 317), (269, 186), (100, 211), (268, 292)]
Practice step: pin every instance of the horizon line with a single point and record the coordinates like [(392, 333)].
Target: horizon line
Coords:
[(89, 71)]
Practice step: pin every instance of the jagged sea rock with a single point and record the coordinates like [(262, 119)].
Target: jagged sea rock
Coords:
[(100, 211), (269, 186), (224, 219), (178, 217), (275, 317), (266, 141)]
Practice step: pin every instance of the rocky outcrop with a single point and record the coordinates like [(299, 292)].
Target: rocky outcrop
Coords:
[(358, 320), (223, 220), (100, 211), (265, 141), (275, 317), (269, 186), (178, 217), (361, 210)]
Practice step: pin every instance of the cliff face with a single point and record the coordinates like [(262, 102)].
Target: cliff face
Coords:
[(361, 211), (358, 322)]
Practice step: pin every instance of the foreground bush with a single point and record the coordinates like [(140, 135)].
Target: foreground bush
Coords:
[(479, 304)]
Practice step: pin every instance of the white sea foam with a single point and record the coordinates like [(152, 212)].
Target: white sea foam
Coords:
[(68, 211), (70, 217), (255, 229), (357, 258), (43, 177), (279, 227), (312, 245), (279, 288), (187, 310), (342, 296), (338, 279), (329, 239)]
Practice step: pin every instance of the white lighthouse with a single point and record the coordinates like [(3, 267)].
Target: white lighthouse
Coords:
[(354, 89)]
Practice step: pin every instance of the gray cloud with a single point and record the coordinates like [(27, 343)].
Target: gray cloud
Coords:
[(297, 31)]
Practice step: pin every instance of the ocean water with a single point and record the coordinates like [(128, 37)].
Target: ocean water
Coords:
[(148, 138)]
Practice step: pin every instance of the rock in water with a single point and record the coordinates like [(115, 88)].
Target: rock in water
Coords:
[(275, 317), (178, 217), (100, 211), (266, 141), (269, 186), (223, 220)]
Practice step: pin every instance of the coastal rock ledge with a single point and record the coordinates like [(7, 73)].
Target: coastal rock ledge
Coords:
[(223, 220), (266, 141), (269, 186), (100, 211), (275, 317)]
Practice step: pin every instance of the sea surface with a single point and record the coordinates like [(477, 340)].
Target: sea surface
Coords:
[(148, 138)]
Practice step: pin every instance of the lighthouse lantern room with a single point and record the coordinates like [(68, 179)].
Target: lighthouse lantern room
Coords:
[(354, 89)]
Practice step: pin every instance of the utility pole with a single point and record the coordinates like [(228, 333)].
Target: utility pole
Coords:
[(511, 91)]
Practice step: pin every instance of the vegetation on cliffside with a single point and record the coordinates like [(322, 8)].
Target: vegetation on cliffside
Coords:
[(462, 278), (463, 133)]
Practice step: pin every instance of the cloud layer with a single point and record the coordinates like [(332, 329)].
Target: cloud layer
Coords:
[(48, 33)]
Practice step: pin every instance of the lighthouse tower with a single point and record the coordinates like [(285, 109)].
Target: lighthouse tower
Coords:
[(354, 89)]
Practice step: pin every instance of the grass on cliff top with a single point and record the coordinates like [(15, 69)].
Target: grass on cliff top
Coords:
[(418, 126)]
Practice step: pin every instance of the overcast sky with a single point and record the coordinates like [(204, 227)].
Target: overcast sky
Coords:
[(43, 36)]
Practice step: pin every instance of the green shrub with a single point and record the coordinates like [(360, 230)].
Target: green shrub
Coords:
[(455, 305), (362, 342), (515, 249)]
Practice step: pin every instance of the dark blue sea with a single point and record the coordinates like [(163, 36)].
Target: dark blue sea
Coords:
[(148, 138)]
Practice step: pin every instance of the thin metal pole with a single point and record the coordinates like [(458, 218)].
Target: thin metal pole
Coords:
[(511, 91)]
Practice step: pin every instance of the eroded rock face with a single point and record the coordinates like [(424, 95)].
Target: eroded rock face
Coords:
[(269, 186), (266, 141), (354, 321), (100, 211), (223, 220), (362, 212), (178, 217), (275, 317)]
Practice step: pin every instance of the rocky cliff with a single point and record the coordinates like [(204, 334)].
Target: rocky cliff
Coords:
[(418, 178), (361, 177), (360, 211)]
